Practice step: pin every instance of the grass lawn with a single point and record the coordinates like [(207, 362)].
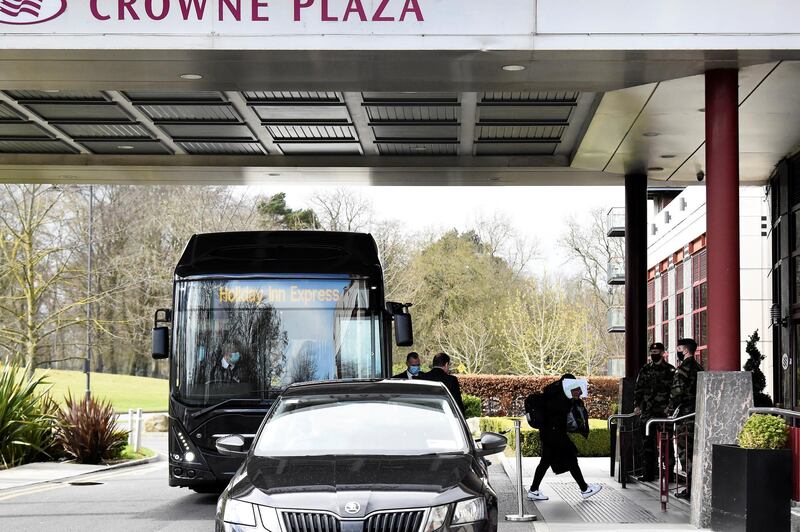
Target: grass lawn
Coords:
[(144, 452), (123, 391)]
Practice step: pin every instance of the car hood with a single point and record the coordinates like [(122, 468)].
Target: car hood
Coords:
[(374, 482)]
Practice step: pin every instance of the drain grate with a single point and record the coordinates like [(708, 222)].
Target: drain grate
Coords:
[(608, 506)]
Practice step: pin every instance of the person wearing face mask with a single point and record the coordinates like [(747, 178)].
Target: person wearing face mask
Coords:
[(412, 367), (227, 370), (682, 402), (651, 396)]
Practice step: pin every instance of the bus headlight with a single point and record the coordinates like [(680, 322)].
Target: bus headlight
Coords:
[(469, 511), (239, 513), (189, 457)]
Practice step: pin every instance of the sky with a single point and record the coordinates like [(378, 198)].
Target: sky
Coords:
[(540, 213)]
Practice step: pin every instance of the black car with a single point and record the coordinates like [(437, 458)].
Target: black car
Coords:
[(361, 456)]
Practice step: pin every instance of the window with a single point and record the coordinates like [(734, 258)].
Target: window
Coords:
[(679, 328), (700, 303), (700, 295), (665, 335), (679, 311)]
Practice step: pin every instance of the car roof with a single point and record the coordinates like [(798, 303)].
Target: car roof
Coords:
[(378, 387)]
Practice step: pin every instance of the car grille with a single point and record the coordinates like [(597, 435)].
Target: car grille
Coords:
[(410, 521), (394, 522), (310, 522)]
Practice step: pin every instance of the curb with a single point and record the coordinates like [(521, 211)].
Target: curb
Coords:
[(60, 480)]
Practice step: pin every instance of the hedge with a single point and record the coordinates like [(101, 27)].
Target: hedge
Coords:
[(504, 395), (598, 443), (472, 405)]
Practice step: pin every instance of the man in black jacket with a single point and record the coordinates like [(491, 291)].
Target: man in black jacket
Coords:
[(412, 367), (441, 373)]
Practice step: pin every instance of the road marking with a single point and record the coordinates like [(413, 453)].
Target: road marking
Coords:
[(136, 470)]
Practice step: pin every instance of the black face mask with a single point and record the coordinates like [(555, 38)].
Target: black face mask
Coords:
[(656, 358), (681, 356)]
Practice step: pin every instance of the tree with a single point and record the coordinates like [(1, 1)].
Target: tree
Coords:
[(753, 365), (499, 238), (342, 209), (589, 246), (276, 214), (541, 330), (36, 262)]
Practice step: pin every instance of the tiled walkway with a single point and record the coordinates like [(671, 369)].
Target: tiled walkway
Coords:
[(634, 508)]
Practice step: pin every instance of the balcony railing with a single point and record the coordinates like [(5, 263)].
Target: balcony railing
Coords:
[(616, 222), (616, 320), (616, 272)]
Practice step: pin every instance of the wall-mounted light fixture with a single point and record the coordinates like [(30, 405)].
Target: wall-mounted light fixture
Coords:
[(775, 316)]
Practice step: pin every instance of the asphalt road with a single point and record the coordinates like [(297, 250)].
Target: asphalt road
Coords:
[(138, 499), (128, 499)]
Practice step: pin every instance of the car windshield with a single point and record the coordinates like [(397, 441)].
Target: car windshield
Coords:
[(405, 425), (250, 338)]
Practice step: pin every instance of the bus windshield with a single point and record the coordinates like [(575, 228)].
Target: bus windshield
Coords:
[(251, 338)]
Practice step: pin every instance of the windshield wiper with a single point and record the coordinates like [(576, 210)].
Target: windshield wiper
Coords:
[(215, 406)]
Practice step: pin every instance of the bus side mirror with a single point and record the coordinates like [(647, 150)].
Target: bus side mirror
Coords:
[(160, 343), (161, 333), (403, 330)]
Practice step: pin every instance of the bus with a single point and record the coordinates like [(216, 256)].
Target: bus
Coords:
[(252, 313)]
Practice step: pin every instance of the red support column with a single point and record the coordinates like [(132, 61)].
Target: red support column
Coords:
[(722, 214)]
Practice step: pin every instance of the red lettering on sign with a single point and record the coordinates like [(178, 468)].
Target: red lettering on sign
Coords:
[(235, 10), (257, 5), (378, 16), (325, 16), (126, 5), (412, 7), (300, 4), (199, 10), (96, 12), (148, 8), (354, 6)]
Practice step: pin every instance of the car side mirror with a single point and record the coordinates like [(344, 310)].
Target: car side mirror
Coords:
[(231, 445), (160, 343), (492, 443)]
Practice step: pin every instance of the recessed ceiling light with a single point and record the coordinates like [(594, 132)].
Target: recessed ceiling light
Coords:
[(191, 76), (650, 134), (513, 68), (668, 156), (702, 109), (654, 169), (52, 91), (125, 147), (274, 175), (494, 178)]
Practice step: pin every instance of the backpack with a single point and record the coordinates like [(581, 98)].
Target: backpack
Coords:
[(534, 410)]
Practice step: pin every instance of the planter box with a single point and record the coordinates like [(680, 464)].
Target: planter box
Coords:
[(751, 489)]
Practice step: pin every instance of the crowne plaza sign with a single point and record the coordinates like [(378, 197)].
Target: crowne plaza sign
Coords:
[(189, 16)]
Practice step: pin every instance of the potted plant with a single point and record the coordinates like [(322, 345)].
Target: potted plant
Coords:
[(751, 484)]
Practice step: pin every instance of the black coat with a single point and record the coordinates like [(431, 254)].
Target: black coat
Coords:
[(450, 382), (557, 448), (404, 375)]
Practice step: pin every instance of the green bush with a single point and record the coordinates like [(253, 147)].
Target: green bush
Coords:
[(764, 432), (88, 432), (597, 444), (472, 405), (27, 417)]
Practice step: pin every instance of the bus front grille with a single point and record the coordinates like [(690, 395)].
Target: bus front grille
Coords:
[(394, 522), (310, 522)]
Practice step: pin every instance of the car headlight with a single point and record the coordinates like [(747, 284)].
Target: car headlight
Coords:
[(239, 513), (469, 511), (269, 518), (436, 518)]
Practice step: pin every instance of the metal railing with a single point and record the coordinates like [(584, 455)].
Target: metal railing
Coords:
[(624, 446), (664, 446), (771, 410)]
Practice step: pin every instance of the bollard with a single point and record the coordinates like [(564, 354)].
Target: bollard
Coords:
[(138, 440), (521, 516), (130, 427)]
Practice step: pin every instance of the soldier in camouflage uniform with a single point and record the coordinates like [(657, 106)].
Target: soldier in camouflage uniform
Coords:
[(651, 397), (682, 402)]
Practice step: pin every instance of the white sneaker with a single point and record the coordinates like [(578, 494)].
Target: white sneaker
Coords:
[(537, 496), (591, 489)]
